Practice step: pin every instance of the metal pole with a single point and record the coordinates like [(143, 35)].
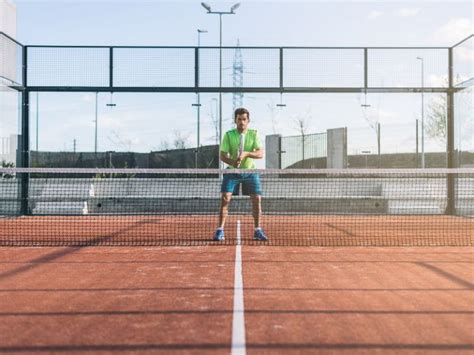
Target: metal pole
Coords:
[(198, 129), (96, 121), (451, 179), (198, 144), (220, 90), (302, 148), (25, 152), (422, 115), (37, 119), (422, 112), (279, 151), (379, 149), (417, 160), (24, 143), (220, 13)]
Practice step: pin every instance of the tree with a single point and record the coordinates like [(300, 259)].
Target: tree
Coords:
[(302, 124), (271, 109), (6, 164), (179, 140), (125, 144), (436, 123), (437, 116), (164, 145), (214, 113)]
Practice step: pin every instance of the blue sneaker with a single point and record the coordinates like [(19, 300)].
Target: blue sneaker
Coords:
[(259, 234), (219, 235)]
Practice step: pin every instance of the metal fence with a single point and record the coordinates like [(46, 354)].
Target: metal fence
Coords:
[(267, 69), (463, 103), (299, 149)]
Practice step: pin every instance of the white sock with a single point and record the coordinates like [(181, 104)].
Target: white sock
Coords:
[(258, 228), (220, 229)]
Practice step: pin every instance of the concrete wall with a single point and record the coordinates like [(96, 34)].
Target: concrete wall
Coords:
[(272, 151), (337, 148), (179, 158), (339, 196), (390, 161)]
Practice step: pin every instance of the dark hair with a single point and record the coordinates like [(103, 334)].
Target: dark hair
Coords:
[(241, 111)]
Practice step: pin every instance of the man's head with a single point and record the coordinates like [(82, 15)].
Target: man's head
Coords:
[(242, 119)]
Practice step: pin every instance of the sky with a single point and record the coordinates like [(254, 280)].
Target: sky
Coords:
[(256, 23), (144, 122)]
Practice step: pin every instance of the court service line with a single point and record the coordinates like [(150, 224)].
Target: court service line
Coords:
[(238, 321)]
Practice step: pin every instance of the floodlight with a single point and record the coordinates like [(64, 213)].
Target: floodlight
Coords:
[(235, 7), (206, 6)]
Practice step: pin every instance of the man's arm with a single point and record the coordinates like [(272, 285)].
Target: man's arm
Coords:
[(256, 154), (226, 159)]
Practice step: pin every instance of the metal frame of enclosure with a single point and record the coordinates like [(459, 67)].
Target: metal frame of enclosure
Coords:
[(141, 69)]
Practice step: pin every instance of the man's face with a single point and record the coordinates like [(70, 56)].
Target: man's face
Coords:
[(242, 122)]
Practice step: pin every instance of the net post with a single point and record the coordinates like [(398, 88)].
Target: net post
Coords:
[(451, 162)]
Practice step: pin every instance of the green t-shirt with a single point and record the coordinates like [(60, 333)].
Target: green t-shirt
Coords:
[(231, 141)]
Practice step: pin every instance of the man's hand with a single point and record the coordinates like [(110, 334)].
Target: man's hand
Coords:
[(241, 157), (236, 163)]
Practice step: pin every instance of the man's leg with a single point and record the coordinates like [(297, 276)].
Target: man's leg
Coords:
[(256, 209), (224, 209), (258, 234), (228, 184), (254, 189)]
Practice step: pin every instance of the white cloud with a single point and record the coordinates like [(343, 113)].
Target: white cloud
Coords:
[(385, 116), (408, 12), (437, 80), (88, 98), (454, 31), (464, 54), (374, 14)]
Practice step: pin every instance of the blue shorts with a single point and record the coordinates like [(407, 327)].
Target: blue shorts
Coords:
[(250, 183)]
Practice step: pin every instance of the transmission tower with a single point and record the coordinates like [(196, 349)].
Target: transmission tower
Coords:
[(238, 77)]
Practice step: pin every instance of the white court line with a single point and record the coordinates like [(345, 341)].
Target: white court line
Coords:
[(238, 321)]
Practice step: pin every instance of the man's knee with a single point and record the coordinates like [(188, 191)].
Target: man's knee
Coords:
[(256, 199), (225, 199)]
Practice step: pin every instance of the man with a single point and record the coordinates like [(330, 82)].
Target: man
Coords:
[(238, 149)]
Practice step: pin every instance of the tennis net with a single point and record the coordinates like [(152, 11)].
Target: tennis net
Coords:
[(82, 207)]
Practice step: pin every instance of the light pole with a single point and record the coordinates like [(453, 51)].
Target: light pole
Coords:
[(214, 121), (422, 113), (198, 145), (37, 120), (220, 13), (96, 121)]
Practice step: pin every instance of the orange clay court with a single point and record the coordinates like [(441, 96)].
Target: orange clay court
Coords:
[(330, 230), (181, 300), (212, 298)]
